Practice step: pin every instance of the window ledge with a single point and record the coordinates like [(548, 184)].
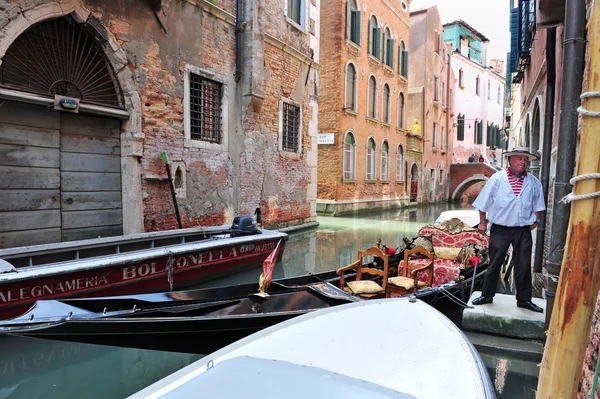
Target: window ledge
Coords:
[(349, 181), (189, 143), (401, 130), (388, 67), (434, 150), (290, 155), (296, 25), (372, 120), (436, 103), (402, 77), (387, 181), (374, 59), (385, 124), (350, 111), (371, 182), (399, 181), (350, 43)]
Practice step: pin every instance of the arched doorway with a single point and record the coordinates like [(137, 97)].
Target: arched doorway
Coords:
[(414, 183), (61, 179)]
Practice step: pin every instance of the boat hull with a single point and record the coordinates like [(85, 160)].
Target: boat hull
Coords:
[(167, 268)]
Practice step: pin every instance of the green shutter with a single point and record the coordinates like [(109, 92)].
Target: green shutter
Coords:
[(356, 27), (377, 43), (390, 53), (405, 64)]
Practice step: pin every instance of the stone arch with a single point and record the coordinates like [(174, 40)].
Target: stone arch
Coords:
[(465, 184), (132, 138), (535, 137)]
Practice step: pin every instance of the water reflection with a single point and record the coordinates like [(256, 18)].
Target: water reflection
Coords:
[(34, 368)]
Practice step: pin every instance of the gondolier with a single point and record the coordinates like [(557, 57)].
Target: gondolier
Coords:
[(512, 199)]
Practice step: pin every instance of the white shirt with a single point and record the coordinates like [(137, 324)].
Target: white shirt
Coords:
[(503, 207)]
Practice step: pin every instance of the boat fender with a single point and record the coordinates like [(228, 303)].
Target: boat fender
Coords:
[(6, 267)]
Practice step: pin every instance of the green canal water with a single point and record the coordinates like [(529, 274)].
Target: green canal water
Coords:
[(34, 368)]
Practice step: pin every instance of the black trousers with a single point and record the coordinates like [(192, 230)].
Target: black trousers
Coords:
[(500, 239)]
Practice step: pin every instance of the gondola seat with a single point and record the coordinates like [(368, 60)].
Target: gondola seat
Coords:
[(451, 234), (409, 282), (370, 281)]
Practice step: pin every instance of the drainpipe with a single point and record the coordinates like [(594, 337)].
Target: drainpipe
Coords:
[(238, 41), (572, 74), (547, 143)]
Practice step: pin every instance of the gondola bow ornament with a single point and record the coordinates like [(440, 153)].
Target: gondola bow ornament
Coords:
[(267, 275)]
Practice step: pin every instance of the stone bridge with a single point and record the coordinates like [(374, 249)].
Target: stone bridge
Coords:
[(464, 175)]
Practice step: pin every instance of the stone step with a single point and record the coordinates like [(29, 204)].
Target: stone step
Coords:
[(502, 317)]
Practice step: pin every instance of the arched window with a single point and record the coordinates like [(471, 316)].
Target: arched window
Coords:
[(349, 157), (386, 103), (402, 60), (388, 48), (370, 160), (401, 110), (353, 21), (385, 161), (374, 38), (372, 98), (351, 82), (400, 164)]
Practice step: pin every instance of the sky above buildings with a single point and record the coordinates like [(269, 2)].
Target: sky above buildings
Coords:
[(489, 17)]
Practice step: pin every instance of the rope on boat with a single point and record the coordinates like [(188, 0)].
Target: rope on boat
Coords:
[(454, 298), (572, 197)]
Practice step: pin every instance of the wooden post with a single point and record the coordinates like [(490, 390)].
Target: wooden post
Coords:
[(579, 279)]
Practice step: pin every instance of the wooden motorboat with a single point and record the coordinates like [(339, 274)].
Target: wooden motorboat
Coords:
[(385, 348), (147, 262)]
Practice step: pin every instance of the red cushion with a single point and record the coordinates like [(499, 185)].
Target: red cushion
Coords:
[(444, 270), (443, 239)]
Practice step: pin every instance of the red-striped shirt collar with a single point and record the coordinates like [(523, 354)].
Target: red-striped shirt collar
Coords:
[(519, 176)]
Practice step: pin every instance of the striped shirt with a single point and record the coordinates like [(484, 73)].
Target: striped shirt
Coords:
[(516, 180)]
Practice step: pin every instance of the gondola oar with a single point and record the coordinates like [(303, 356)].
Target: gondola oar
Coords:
[(165, 158)]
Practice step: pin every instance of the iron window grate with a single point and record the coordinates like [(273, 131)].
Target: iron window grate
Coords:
[(205, 109), (291, 128)]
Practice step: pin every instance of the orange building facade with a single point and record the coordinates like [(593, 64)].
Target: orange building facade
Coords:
[(363, 95)]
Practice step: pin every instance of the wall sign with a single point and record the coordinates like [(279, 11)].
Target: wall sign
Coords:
[(326, 138)]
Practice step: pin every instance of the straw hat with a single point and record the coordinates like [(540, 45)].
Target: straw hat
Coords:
[(524, 151)]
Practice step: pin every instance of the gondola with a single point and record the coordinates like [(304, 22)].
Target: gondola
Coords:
[(201, 320)]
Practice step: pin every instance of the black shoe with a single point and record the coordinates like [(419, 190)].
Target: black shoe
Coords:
[(530, 305), (482, 300)]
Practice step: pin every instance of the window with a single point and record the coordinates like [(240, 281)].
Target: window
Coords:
[(437, 42), (370, 160), (353, 21), (385, 161), (290, 126), (386, 103), (374, 38), (478, 132), (399, 164), (499, 95), (489, 90), (205, 109), (403, 5), (294, 11), (435, 135), (477, 85), (351, 82), (444, 94), (388, 43), (460, 78), (402, 60), (443, 146), (436, 92), (372, 98), (401, 108), (441, 176), (349, 157), (460, 127)]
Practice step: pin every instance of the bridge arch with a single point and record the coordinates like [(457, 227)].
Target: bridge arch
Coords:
[(462, 187)]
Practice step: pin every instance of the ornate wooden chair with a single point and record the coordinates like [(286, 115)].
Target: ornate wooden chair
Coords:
[(407, 282), (363, 286)]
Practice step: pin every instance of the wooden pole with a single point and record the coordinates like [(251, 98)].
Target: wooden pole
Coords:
[(579, 280)]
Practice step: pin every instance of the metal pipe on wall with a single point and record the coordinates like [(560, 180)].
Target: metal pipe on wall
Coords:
[(547, 142), (238, 41), (572, 77)]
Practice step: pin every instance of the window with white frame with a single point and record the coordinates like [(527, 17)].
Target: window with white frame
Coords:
[(203, 107), (443, 144), (436, 91), (353, 21), (351, 83), (295, 11), (435, 135), (400, 164), (385, 161), (374, 38), (386, 103), (402, 60), (372, 98), (349, 156), (290, 126), (370, 160), (443, 94), (401, 110)]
